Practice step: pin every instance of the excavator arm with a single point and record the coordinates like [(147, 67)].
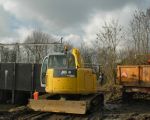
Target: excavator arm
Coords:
[(78, 58)]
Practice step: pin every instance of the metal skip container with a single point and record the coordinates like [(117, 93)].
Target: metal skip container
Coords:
[(134, 76)]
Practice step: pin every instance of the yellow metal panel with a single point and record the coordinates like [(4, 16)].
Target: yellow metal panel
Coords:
[(60, 84), (95, 84), (49, 80), (86, 81), (80, 80), (64, 84)]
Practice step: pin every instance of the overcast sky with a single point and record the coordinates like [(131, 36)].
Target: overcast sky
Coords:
[(75, 20)]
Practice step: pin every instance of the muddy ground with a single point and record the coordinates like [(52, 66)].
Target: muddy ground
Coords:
[(114, 110), (133, 110), (137, 108)]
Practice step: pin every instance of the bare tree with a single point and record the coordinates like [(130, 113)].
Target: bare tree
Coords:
[(110, 35), (38, 51), (68, 44), (86, 53), (108, 39), (140, 29)]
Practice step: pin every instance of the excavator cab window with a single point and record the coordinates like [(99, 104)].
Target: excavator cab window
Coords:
[(57, 61), (43, 71), (71, 61), (61, 61)]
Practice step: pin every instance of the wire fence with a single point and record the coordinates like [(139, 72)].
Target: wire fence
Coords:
[(27, 52)]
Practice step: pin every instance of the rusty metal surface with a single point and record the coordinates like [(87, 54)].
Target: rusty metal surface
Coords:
[(134, 75), (137, 89)]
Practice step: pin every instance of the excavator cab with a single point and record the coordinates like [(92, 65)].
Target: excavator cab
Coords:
[(57, 61), (43, 71)]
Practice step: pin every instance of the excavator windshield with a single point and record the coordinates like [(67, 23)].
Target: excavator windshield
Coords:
[(56, 61), (61, 61)]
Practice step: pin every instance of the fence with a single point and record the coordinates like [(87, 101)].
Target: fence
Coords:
[(20, 66), (27, 52)]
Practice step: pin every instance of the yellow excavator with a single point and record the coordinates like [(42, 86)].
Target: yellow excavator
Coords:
[(72, 88)]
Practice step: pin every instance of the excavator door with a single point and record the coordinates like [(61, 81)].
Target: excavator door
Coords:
[(44, 68)]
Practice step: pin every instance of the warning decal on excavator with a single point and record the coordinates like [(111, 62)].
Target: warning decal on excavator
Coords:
[(124, 74)]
